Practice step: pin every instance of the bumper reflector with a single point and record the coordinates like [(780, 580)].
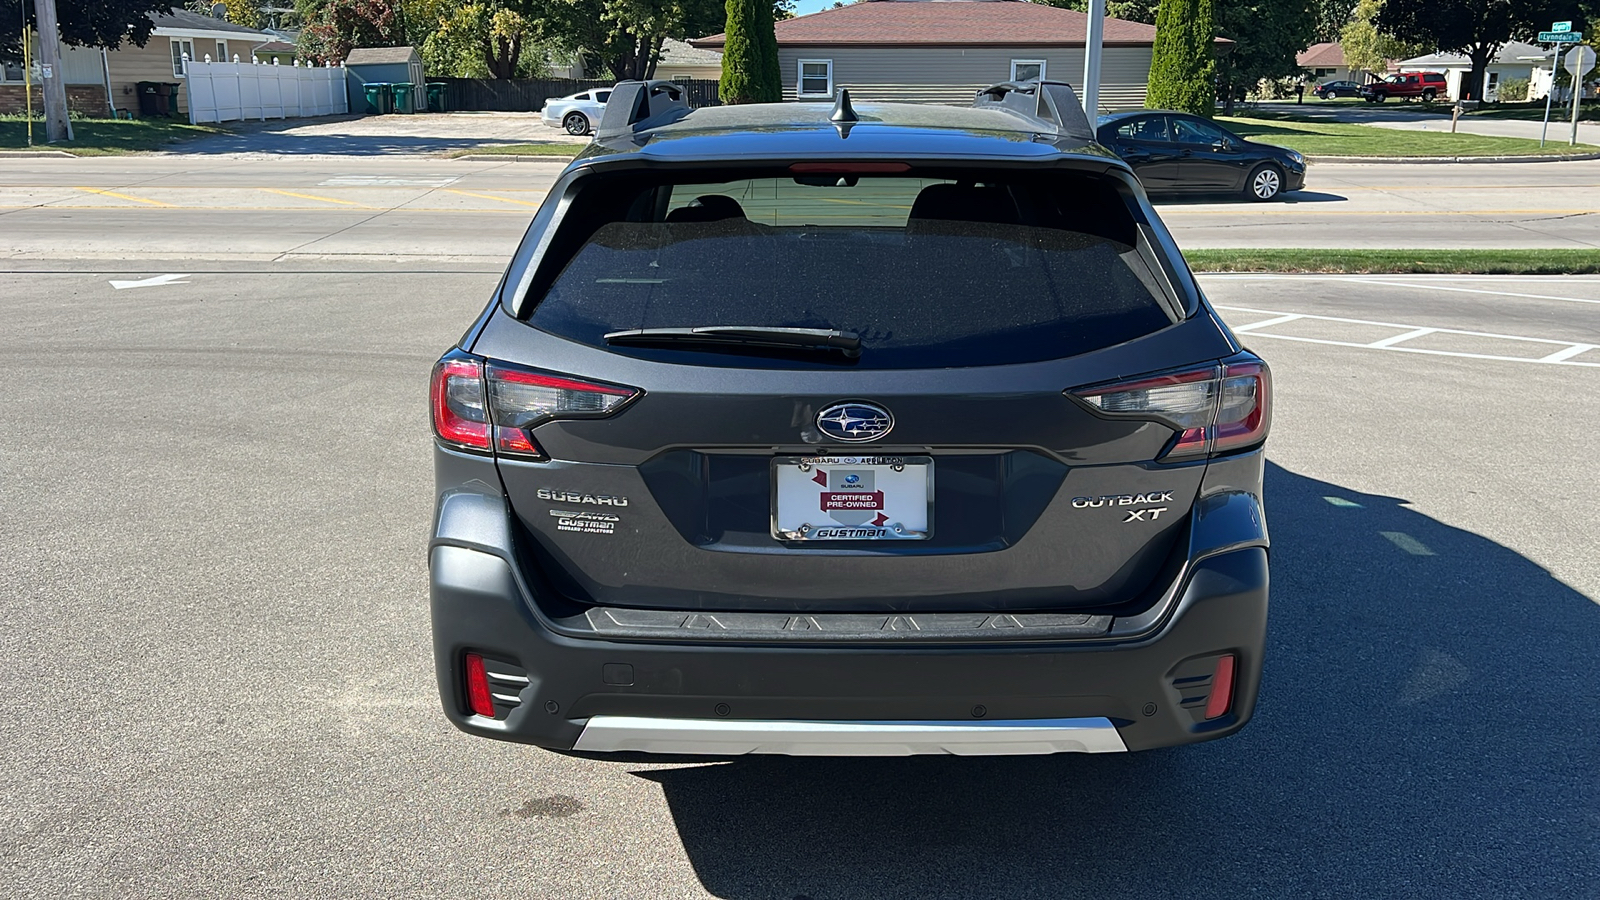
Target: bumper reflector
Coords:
[(478, 687), (1221, 688)]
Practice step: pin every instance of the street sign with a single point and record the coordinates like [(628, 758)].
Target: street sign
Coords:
[(1560, 37), (1561, 26), (1580, 59)]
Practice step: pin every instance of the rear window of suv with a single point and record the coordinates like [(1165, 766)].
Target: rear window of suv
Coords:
[(930, 272)]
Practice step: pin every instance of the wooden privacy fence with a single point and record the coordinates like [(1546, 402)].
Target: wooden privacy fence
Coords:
[(226, 91), (529, 94)]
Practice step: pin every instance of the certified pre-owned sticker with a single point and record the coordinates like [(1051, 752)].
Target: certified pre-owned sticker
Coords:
[(585, 522)]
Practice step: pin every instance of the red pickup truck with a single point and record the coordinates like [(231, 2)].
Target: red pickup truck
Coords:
[(1406, 86)]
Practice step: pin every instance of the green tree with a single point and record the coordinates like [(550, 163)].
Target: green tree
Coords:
[(1127, 10), (84, 23), (1476, 28), (1366, 49), (332, 28), (1183, 66), (1267, 36), (750, 72), (1332, 15)]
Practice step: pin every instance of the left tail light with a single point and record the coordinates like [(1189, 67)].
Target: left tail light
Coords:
[(485, 405), (1214, 409)]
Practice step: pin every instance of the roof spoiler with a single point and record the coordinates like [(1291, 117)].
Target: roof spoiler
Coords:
[(1052, 102), (636, 105)]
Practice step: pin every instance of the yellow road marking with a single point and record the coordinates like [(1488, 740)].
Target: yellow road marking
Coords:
[(489, 197), (315, 197), (106, 193)]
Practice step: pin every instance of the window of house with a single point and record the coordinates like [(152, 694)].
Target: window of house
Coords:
[(1323, 73), (222, 51), (11, 72), (816, 78), (180, 49), (1027, 70)]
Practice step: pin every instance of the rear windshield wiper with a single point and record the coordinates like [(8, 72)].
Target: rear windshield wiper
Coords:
[(824, 339)]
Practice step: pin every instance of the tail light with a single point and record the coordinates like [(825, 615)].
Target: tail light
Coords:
[(1215, 409), (474, 400)]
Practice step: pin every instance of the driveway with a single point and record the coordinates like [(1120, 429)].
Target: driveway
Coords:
[(424, 134), (1413, 117)]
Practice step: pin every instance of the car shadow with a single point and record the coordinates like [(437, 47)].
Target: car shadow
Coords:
[(1427, 727), (1286, 197)]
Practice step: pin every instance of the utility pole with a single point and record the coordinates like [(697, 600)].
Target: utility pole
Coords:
[(1093, 38), (55, 89)]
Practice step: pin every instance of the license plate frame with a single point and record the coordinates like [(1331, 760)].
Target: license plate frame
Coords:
[(882, 517)]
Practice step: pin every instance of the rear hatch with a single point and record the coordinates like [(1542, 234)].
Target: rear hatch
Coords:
[(847, 390)]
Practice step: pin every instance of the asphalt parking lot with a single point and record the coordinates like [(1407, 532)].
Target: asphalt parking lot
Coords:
[(218, 678), (263, 207)]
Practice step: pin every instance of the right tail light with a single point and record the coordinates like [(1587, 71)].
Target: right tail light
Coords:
[(1215, 409)]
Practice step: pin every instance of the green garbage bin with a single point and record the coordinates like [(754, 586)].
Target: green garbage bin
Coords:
[(377, 97), (404, 101), (436, 96)]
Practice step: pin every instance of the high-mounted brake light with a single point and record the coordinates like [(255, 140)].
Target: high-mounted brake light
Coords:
[(1214, 409), (848, 168), (459, 416)]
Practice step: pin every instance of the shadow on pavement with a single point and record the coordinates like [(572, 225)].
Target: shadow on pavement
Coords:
[(1427, 728), (290, 137), (1290, 197)]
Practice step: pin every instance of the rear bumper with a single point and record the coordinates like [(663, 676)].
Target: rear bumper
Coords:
[(599, 695)]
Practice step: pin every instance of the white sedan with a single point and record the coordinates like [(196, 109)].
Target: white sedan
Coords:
[(578, 113)]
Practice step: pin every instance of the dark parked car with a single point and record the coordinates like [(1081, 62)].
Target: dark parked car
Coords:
[(1177, 153), (1330, 90), (793, 429)]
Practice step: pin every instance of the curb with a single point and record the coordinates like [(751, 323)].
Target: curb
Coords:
[(35, 154), (516, 157), (1404, 160)]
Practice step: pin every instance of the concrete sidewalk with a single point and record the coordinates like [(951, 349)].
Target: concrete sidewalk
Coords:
[(422, 134), (1405, 117)]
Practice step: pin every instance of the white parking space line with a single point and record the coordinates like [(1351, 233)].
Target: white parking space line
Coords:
[(1418, 284), (1391, 341), (1561, 357), (1266, 323)]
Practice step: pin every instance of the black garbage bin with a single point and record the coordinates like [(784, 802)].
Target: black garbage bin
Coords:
[(150, 98)]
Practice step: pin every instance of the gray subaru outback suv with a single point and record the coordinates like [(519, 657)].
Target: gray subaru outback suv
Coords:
[(842, 430)]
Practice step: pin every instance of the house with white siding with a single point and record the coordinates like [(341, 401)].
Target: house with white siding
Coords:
[(945, 51)]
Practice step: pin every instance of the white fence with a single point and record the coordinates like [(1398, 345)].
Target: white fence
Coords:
[(225, 91)]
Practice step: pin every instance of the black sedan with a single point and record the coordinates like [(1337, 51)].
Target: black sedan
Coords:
[(1332, 89), (1174, 152)]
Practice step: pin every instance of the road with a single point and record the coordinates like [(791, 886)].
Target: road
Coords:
[(214, 500), (265, 208)]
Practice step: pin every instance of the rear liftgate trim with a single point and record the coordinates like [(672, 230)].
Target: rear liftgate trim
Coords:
[(736, 737)]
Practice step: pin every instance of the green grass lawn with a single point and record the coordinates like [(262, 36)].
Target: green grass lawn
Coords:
[(1397, 262), (103, 137), (550, 149), (1340, 139)]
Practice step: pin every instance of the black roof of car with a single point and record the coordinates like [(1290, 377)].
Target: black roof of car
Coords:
[(815, 130)]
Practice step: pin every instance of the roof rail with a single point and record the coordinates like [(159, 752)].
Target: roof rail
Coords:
[(1052, 102), (637, 105)]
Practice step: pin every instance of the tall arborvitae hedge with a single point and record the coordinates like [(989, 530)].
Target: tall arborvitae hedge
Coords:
[(1183, 68), (750, 72)]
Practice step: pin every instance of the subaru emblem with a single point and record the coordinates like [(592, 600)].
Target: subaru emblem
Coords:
[(854, 422)]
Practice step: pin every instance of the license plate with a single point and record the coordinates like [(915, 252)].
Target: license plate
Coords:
[(852, 498)]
